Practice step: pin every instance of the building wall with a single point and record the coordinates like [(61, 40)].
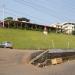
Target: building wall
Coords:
[(68, 29)]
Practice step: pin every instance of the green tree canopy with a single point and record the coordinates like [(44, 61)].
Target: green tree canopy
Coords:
[(8, 19), (23, 19)]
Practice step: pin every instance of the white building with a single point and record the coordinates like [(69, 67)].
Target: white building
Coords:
[(68, 28)]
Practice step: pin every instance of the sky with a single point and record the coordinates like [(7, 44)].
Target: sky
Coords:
[(39, 11)]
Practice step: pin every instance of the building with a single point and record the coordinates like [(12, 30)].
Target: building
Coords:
[(68, 28), (27, 25)]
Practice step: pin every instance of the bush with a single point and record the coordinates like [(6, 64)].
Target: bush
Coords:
[(73, 32)]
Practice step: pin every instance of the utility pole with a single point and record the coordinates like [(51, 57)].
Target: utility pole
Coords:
[(3, 16), (3, 12)]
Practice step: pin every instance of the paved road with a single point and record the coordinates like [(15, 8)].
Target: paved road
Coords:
[(9, 65)]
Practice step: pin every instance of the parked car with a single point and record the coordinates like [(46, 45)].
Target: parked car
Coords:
[(6, 44)]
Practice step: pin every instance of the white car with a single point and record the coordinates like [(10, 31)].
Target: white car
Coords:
[(6, 44)]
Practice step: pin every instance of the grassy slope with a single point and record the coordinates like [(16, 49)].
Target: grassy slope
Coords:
[(36, 39)]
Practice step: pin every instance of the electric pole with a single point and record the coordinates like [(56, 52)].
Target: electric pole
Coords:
[(3, 13), (3, 17)]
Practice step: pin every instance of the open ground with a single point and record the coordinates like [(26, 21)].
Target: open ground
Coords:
[(11, 64)]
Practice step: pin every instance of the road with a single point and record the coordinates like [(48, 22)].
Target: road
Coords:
[(10, 64)]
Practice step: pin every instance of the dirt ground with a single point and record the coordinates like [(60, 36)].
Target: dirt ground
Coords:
[(11, 64)]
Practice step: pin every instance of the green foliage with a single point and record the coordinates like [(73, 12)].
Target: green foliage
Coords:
[(23, 19), (73, 32), (8, 19), (28, 39)]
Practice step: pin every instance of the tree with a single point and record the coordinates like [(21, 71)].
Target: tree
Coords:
[(8, 19), (73, 32), (23, 19)]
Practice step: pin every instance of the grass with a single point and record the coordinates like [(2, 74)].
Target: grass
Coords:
[(28, 39)]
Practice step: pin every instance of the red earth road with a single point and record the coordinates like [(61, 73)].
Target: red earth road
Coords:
[(10, 64)]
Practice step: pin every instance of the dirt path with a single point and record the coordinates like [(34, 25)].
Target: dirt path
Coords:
[(10, 64)]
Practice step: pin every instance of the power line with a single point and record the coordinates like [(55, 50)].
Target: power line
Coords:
[(25, 3), (48, 1), (47, 9), (19, 13), (39, 8)]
